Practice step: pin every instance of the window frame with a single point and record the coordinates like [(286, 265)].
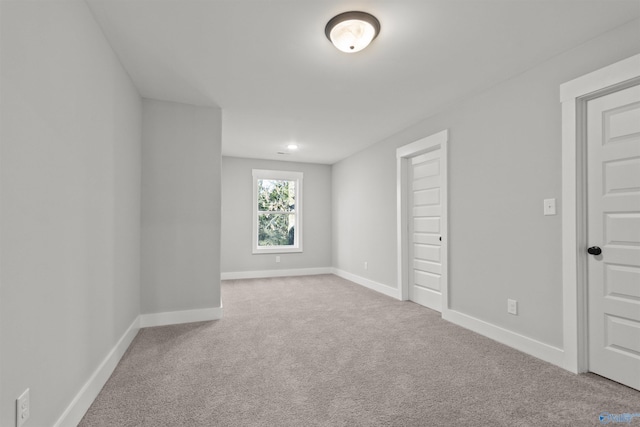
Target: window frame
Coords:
[(297, 177)]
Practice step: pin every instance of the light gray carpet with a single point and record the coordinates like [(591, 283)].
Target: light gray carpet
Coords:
[(319, 350)]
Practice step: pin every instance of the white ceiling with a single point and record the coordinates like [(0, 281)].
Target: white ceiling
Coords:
[(269, 66)]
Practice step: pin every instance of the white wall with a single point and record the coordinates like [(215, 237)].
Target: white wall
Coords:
[(504, 159), (70, 216), (237, 217), (180, 207)]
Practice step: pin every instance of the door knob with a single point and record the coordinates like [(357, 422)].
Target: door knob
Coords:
[(594, 250)]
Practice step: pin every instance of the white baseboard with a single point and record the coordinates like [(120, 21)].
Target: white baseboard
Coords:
[(367, 283), (177, 317), (512, 339), (275, 273), (87, 394), (546, 352)]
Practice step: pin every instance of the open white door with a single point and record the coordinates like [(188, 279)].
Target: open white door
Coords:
[(422, 213), (424, 237), (613, 182)]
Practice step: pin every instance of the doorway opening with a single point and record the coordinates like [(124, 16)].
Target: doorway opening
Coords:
[(422, 221), (575, 96)]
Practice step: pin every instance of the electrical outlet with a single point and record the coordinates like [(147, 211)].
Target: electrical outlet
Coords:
[(549, 206), (22, 408), (366, 265), (512, 306), (277, 258)]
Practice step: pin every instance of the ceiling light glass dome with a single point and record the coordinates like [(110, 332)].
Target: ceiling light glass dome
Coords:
[(351, 32)]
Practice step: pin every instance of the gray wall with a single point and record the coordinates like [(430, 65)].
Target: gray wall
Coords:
[(237, 217), (180, 207), (70, 196), (504, 159)]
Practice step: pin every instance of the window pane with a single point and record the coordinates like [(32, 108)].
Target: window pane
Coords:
[(276, 195), (276, 229)]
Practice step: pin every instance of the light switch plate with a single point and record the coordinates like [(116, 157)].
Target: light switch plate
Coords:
[(549, 206)]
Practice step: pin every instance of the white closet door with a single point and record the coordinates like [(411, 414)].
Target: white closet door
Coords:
[(613, 151), (425, 210)]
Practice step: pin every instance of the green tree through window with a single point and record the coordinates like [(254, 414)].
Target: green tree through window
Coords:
[(276, 212)]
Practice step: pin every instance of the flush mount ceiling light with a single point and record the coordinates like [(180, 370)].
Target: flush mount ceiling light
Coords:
[(352, 31), (292, 147)]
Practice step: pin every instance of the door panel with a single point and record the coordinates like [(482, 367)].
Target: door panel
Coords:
[(622, 281), (622, 229), (426, 224), (429, 267), (425, 167), (428, 280), (613, 182), (427, 197), (621, 123), (622, 176), (426, 183), (425, 210), (427, 239), (427, 253), (623, 335)]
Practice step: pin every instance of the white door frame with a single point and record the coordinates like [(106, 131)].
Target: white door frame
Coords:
[(403, 154), (574, 96)]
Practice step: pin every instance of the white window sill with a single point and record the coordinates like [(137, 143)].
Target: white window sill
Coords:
[(276, 250)]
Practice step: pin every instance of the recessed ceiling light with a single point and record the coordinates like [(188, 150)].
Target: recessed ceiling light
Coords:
[(352, 31), (292, 146)]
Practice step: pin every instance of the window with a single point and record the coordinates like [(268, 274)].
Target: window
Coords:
[(277, 212)]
